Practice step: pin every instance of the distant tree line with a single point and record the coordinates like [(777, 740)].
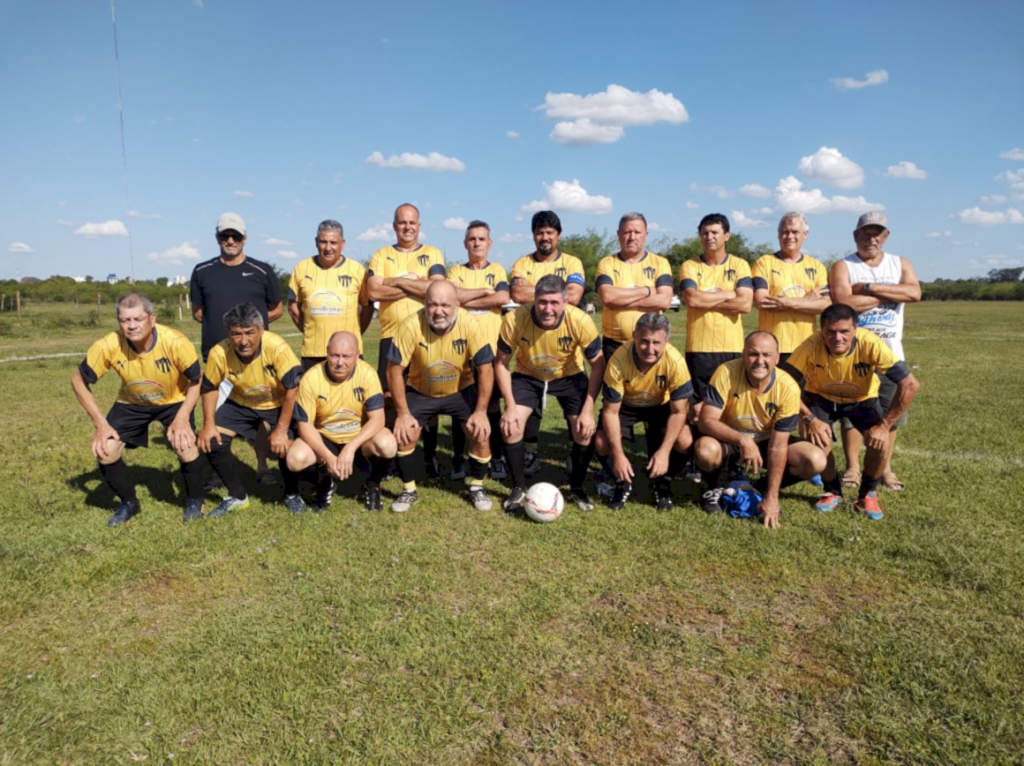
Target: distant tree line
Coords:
[(998, 285)]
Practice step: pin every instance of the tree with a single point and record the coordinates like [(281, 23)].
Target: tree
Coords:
[(590, 248), (1006, 275)]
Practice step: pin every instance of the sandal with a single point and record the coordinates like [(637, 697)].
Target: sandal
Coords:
[(851, 477), (891, 482)]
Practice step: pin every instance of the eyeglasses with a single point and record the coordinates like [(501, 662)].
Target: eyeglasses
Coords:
[(234, 236)]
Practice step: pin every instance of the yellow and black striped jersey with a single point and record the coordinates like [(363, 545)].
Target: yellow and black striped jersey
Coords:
[(491, 276), (422, 263), (667, 379), (747, 410), (709, 330), (440, 365), (259, 384), (530, 270), (162, 374), (790, 280), (549, 354), (848, 378), (651, 271), (338, 409), (329, 300)]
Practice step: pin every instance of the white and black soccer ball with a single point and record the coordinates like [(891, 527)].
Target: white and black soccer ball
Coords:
[(544, 502)]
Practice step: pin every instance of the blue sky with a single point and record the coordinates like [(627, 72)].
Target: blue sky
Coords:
[(290, 113)]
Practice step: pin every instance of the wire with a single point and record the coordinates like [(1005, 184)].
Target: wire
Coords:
[(124, 151)]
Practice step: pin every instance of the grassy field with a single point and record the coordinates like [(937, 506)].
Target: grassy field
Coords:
[(451, 636)]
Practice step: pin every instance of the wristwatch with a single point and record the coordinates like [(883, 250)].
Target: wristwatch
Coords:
[(808, 419), (866, 289)]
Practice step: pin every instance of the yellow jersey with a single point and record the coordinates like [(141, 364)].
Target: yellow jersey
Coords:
[(668, 379), (709, 330), (650, 271), (338, 410), (848, 378), (440, 365), (747, 410), (329, 300), (422, 263), (790, 280), (491, 276), (259, 384), (162, 374), (530, 270), (549, 354)]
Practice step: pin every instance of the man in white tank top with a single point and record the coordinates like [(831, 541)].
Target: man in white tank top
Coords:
[(876, 284)]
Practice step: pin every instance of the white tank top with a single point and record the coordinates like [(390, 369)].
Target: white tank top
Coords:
[(886, 319)]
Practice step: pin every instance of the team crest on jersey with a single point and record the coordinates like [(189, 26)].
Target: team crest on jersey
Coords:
[(649, 272), (163, 364), (423, 260), (811, 272), (730, 275), (345, 280), (459, 345), (564, 343), (490, 280), (661, 381), (270, 369), (771, 408), (862, 368), (560, 272), (359, 392)]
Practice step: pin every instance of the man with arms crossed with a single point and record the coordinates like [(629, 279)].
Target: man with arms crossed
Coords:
[(450, 371), (159, 373), (483, 290), (837, 367), (340, 417), (750, 410), (547, 340), (265, 376), (326, 294), (876, 284), (646, 381)]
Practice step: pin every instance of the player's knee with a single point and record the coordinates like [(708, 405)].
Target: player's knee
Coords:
[(684, 441), (601, 444), (708, 453), (187, 454), (114, 451), (300, 456), (384, 444)]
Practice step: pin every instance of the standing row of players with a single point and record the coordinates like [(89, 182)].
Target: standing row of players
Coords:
[(439, 361)]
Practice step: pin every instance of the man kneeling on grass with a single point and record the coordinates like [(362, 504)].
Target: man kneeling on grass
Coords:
[(750, 409), (837, 367), (265, 375), (159, 372), (340, 414)]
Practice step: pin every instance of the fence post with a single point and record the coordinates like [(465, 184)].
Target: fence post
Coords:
[(99, 299), (18, 301)]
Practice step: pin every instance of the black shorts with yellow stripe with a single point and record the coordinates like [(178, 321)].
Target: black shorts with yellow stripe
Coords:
[(570, 392), (245, 421), (131, 421)]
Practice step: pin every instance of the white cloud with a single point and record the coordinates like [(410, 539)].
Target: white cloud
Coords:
[(790, 195), (137, 214), (289, 254), (277, 241), (433, 161), (455, 224), (692, 205), (519, 218), (719, 191), (763, 211), (19, 247), (993, 199), (830, 166), (105, 229), (382, 232), (198, 3), (878, 77), (738, 218), (512, 134), (511, 238), (585, 133), (63, 222), (243, 193), (1011, 176), (906, 169), (755, 190), (995, 262), (599, 118), (563, 195), (655, 226), (1013, 154), (176, 256), (975, 216), (937, 234)]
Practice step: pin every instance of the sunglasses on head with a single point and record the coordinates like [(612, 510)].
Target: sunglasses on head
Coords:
[(231, 235)]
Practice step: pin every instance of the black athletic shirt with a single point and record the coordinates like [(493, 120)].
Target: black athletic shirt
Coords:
[(218, 288)]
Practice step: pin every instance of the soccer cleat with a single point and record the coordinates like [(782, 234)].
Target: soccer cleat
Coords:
[(323, 498), (229, 504), (433, 469), (214, 482), (124, 511), (499, 471), (828, 502), (870, 506), (371, 498), (710, 501), (294, 503), (514, 502), (405, 501), (663, 494), (532, 463), (620, 495), (193, 509), (459, 468), (478, 497), (579, 496), (266, 479)]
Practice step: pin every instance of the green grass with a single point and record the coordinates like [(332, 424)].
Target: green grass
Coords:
[(449, 635)]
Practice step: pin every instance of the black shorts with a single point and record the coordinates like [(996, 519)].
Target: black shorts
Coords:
[(783, 358), (131, 421), (702, 366), (426, 408), (570, 392), (731, 454), (609, 346), (245, 421), (655, 420), (382, 361), (886, 395), (309, 362), (861, 415)]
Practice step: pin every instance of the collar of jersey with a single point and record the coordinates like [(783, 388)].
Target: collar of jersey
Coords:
[(553, 260), (533, 318), (327, 372), (798, 260), (770, 382), (853, 345), (316, 260), (642, 258), (715, 265), (148, 348)]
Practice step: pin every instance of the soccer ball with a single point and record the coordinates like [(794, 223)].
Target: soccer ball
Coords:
[(544, 502)]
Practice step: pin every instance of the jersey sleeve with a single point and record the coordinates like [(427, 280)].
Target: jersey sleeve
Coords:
[(479, 347), (374, 392), (881, 355), (293, 286), (305, 401), (760, 272), (507, 336), (437, 267), (376, 268), (273, 288), (574, 271), (518, 269), (801, 360), (588, 337), (663, 278), (717, 391), (285, 359), (216, 368), (195, 290), (364, 295), (788, 415), (404, 342), (185, 358), (743, 278), (97, 361), (501, 278), (614, 385), (688, 275), (603, 275), (681, 387)]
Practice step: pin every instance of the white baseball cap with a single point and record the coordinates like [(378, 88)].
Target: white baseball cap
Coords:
[(231, 222)]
